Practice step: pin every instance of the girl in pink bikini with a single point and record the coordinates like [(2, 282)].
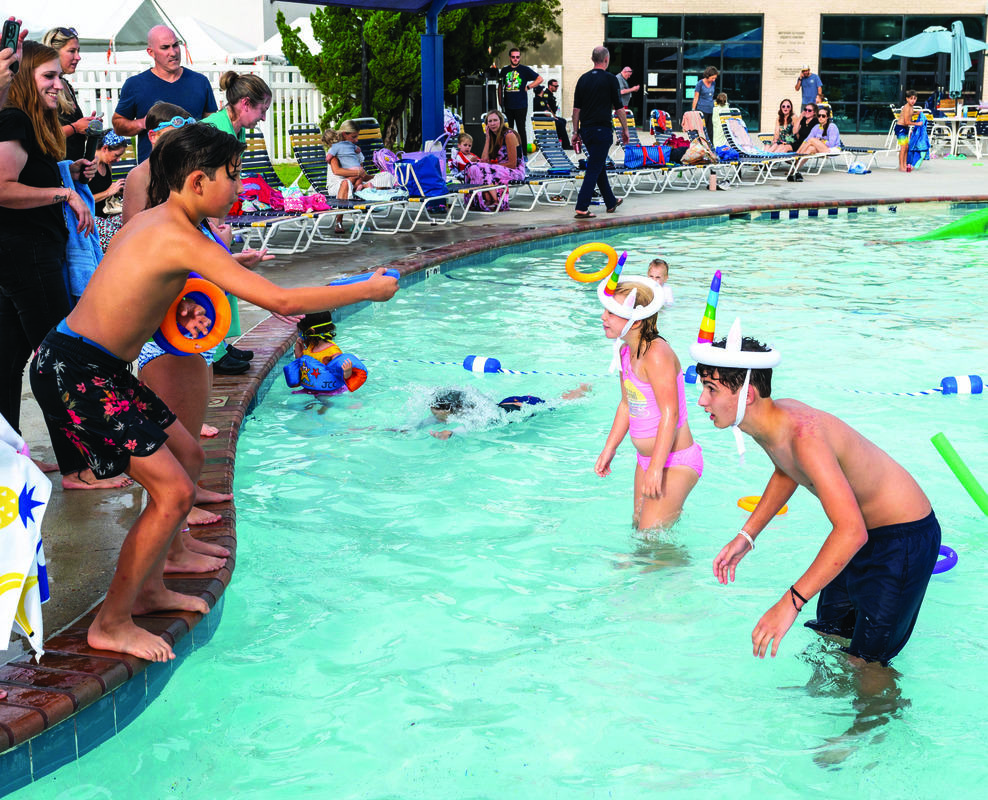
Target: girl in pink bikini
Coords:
[(652, 407)]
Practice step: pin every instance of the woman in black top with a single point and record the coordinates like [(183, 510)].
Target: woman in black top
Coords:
[(66, 42), (803, 125), (104, 187), (33, 234)]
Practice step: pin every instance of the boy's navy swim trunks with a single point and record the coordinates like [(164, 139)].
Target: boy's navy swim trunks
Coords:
[(875, 599), (90, 396)]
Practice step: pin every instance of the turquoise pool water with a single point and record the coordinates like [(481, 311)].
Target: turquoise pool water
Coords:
[(476, 618)]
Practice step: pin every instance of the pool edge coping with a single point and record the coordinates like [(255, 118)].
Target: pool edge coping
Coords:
[(97, 689)]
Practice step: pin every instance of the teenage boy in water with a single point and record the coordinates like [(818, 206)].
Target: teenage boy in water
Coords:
[(81, 377), (874, 566)]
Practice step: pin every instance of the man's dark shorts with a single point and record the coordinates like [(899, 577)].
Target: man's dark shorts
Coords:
[(90, 396), (875, 599)]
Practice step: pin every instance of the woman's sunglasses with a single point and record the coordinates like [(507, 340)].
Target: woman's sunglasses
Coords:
[(71, 33)]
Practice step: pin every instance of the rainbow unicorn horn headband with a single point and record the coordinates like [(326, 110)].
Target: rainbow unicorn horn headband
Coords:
[(732, 355)]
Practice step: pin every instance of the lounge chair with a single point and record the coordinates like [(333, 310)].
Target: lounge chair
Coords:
[(641, 180), (752, 156), (367, 216), (261, 229), (551, 182)]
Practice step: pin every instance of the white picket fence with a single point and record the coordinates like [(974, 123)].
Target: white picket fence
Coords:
[(293, 99)]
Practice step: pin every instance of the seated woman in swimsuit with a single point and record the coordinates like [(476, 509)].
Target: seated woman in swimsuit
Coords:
[(652, 407)]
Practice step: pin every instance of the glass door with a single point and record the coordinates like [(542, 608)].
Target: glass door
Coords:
[(664, 79)]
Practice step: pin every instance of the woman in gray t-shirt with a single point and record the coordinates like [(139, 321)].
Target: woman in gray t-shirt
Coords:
[(703, 96)]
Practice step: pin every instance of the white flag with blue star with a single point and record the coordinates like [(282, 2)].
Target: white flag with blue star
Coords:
[(24, 493)]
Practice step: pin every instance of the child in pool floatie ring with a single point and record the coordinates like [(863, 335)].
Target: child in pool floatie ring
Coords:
[(320, 367)]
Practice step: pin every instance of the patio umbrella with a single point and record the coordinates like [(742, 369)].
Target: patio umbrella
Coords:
[(935, 39), (960, 59)]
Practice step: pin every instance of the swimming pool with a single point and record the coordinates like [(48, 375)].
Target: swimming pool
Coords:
[(476, 617)]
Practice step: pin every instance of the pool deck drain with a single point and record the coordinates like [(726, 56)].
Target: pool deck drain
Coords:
[(78, 697)]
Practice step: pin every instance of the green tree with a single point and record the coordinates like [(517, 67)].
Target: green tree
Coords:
[(394, 54)]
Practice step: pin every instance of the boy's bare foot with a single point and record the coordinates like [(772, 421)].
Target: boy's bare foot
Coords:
[(45, 466), (206, 548), (207, 496), (128, 638), (199, 517), (208, 431), (162, 599), (189, 561), (86, 480)]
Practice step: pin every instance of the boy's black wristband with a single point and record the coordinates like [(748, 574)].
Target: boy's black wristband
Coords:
[(793, 594)]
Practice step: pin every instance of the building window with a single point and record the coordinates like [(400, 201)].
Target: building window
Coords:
[(668, 53), (861, 88)]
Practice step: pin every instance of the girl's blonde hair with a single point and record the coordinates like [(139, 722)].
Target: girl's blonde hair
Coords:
[(464, 137), (56, 39), (650, 325), (331, 137), (24, 95)]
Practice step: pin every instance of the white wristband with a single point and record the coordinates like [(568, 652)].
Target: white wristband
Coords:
[(747, 536)]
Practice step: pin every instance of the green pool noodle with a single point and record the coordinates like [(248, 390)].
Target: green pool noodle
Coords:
[(959, 468), (970, 225)]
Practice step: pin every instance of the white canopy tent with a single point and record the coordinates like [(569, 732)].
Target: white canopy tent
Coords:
[(124, 23), (117, 31), (270, 50)]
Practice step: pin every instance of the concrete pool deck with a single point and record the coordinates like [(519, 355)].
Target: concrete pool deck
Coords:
[(83, 530)]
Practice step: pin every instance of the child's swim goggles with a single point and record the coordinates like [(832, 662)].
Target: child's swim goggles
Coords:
[(175, 122), (324, 331)]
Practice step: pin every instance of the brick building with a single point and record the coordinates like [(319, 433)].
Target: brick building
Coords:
[(760, 47)]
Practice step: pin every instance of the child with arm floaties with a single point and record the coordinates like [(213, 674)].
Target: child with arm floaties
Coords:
[(320, 366)]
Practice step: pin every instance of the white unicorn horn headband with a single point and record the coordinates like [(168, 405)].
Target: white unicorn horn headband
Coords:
[(627, 309), (733, 357)]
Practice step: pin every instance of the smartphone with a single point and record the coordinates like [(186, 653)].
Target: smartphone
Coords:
[(11, 32)]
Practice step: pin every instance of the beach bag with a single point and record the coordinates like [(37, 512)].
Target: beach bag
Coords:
[(426, 174), (699, 152), (643, 155)]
